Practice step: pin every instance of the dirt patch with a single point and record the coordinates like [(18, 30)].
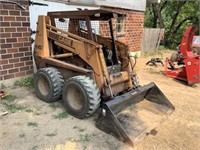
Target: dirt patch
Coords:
[(33, 124)]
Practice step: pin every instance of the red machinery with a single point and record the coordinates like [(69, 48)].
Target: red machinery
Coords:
[(187, 67)]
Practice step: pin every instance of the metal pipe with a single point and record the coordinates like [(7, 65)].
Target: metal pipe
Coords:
[(114, 49), (63, 55)]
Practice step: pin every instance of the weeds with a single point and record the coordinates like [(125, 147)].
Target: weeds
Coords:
[(29, 110), (85, 137), (79, 129), (32, 124), (153, 53), (9, 97), (2, 86), (150, 53), (51, 134), (13, 107), (26, 82), (54, 106), (35, 147), (37, 113), (4, 133), (151, 71), (61, 115), (72, 139), (22, 135), (34, 113)]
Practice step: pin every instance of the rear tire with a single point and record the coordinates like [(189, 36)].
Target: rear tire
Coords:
[(81, 96), (48, 84)]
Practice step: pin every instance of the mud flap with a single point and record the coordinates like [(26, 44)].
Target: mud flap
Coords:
[(133, 115)]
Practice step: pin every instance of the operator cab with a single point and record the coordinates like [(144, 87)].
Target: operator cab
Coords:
[(89, 24)]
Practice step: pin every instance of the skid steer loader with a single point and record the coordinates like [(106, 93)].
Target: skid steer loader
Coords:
[(90, 71)]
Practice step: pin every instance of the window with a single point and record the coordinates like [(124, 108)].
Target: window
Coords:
[(82, 24), (120, 25)]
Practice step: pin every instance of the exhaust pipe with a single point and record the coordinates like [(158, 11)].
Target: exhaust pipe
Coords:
[(133, 115)]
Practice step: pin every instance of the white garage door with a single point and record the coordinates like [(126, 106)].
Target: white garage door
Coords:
[(36, 10)]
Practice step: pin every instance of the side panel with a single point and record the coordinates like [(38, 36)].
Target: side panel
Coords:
[(41, 49), (192, 66)]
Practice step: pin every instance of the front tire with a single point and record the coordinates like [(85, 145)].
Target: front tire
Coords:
[(81, 96), (48, 84)]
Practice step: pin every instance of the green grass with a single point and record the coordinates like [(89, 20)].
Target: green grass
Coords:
[(72, 139), (34, 113), (82, 138), (85, 137), (62, 115), (37, 113), (79, 129), (13, 107), (35, 147), (153, 53), (51, 134), (32, 124), (2, 86), (26, 82), (54, 106), (29, 110), (10, 97)]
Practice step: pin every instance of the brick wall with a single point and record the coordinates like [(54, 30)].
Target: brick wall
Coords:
[(134, 22), (15, 46)]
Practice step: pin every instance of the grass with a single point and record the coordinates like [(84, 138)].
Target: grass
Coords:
[(10, 97), (54, 106), (51, 134), (26, 82), (29, 110), (34, 113), (37, 113), (72, 139), (22, 135), (79, 129), (2, 86), (85, 137), (13, 107), (151, 71), (35, 147), (82, 138), (62, 115), (153, 53), (32, 124)]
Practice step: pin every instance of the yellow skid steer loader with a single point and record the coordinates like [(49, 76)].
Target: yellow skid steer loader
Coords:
[(89, 71)]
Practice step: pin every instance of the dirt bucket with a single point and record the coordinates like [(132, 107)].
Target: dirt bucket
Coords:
[(133, 115)]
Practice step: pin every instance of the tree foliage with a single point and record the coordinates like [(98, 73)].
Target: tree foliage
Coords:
[(174, 16)]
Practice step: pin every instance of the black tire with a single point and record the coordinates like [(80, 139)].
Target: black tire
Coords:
[(48, 84), (81, 96)]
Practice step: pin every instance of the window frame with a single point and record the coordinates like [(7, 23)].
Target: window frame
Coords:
[(120, 24)]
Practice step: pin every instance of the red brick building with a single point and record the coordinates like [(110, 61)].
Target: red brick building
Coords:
[(15, 46), (132, 28)]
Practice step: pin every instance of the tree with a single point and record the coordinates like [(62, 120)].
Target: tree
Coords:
[(174, 16)]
